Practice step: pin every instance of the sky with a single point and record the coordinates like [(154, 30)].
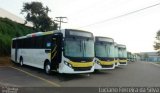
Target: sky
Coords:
[(137, 31)]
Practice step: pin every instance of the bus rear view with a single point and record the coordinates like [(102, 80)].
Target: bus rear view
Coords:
[(104, 53)]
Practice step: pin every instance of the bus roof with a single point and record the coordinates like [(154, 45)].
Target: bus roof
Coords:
[(115, 44), (105, 39), (121, 46), (37, 34), (48, 32)]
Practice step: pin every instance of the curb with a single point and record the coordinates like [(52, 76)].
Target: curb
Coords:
[(155, 64)]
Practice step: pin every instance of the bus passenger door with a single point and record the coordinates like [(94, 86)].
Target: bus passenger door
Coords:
[(56, 51)]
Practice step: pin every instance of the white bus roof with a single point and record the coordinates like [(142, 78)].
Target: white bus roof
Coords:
[(105, 39), (121, 46), (36, 34), (46, 33)]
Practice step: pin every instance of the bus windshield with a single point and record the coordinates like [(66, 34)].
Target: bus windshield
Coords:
[(122, 52), (115, 51), (79, 48), (104, 50)]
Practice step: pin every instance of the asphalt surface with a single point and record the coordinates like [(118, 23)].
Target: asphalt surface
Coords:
[(137, 74)]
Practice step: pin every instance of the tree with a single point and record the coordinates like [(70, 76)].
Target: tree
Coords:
[(38, 15), (146, 56), (157, 43)]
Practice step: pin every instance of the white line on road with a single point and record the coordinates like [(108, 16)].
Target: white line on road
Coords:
[(45, 80)]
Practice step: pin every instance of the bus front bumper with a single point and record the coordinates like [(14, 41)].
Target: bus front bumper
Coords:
[(76, 67), (104, 65), (122, 62)]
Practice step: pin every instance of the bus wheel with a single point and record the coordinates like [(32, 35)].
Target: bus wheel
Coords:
[(47, 68), (21, 61)]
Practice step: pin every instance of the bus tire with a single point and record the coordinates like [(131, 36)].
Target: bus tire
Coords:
[(47, 68), (21, 61)]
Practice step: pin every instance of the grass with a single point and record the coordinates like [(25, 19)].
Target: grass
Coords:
[(157, 62)]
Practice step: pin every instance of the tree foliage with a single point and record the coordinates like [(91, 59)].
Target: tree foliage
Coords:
[(157, 43), (38, 15), (145, 56), (8, 30)]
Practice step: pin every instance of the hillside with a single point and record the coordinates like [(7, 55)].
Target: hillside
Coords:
[(8, 30), (6, 14)]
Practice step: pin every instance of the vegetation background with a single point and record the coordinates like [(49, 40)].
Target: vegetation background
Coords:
[(8, 30), (34, 12)]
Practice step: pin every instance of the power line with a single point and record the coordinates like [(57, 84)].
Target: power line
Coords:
[(60, 20), (91, 7), (116, 17)]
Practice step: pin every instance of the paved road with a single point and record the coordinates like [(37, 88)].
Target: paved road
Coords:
[(138, 74)]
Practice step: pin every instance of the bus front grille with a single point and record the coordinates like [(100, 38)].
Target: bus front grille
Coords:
[(107, 66), (122, 62), (81, 68)]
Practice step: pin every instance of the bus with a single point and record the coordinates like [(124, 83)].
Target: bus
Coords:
[(129, 56), (65, 51), (104, 53), (116, 54), (134, 57), (122, 54)]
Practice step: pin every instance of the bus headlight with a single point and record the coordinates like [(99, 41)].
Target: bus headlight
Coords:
[(98, 62), (65, 62)]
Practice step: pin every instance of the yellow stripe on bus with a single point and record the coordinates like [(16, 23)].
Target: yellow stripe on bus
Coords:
[(116, 61), (46, 33), (54, 48), (54, 54), (81, 64), (49, 54), (122, 60), (107, 62)]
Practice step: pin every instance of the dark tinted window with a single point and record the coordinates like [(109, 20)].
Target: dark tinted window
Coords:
[(27, 43), (13, 43), (34, 42), (47, 41)]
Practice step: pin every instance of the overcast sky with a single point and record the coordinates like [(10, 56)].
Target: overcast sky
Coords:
[(137, 30)]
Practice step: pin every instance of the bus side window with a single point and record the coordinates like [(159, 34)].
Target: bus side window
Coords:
[(25, 43), (13, 43), (47, 41), (40, 42), (28, 43), (33, 42), (36, 42), (21, 43)]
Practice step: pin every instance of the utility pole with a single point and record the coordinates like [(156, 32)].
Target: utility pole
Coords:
[(60, 20)]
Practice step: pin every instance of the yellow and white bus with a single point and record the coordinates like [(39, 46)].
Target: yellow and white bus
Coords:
[(104, 53), (65, 51), (116, 54), (122, 54)]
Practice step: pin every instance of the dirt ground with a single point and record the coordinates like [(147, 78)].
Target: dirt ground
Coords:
[(5, 61)]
